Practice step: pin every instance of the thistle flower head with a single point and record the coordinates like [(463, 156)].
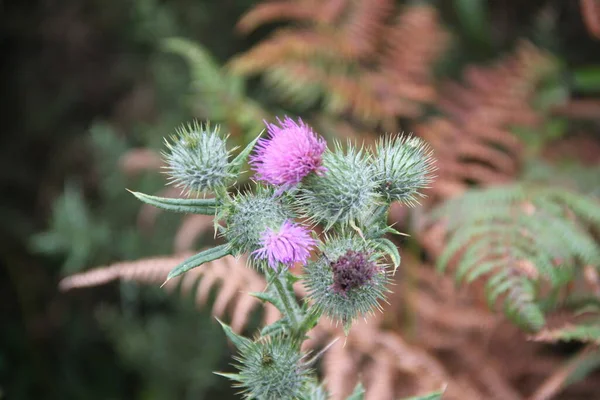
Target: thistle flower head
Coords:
[(346, 192), (404, 165), (250, 216), (271, 368), (287, 245), (291, 152), (346, 282), (197, 159)]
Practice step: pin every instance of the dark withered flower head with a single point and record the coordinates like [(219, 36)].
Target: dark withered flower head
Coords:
[(346, 282), (353, 269)]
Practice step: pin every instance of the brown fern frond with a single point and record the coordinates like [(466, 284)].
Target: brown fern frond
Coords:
[(388, 366), (298, 10), (148, 271), (234, 278), (364, 26), (474, 143), (407, 62), (590, 9), (365, 63), (190, 229), (139, 160), (340, 370), (288, 45)]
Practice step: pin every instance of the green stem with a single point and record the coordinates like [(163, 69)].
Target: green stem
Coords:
[(310, 320), (288, 300)]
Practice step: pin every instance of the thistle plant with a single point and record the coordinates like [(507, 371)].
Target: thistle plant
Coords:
[(345, 270)]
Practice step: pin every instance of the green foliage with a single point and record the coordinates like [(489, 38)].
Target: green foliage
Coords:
[(430, 396), (358, 393), (519, 238), (217, 94), (587, 79), (173, 347), (473, 19), (157, 352), (75, 232), (89, 233), (585, 333)]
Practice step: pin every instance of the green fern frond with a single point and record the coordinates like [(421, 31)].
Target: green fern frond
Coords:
[(584, 333), (215, 93), (519, 239)]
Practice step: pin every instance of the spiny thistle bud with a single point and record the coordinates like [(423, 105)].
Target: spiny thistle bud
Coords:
[(291, 152), (271, 368), (404, 165), (289, 244), (250, 216), (197, 159), (346, 282), (346, 192)]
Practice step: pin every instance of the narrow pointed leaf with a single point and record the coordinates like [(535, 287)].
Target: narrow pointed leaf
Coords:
[(199, 259), (241, 158), (430, 396), (269, 297), (358, 393), (312, 317), (240, 342), (281, 325), (233, 377), (390, 248), (317, 356), (190, 206)]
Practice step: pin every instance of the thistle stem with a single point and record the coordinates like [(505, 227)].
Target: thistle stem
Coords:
[(288, 300)]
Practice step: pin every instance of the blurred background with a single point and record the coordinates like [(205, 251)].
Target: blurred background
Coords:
[(505, 91)]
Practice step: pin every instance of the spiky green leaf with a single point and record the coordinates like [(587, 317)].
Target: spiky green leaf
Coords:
[(199, 259), (190, 206), (388, 247)]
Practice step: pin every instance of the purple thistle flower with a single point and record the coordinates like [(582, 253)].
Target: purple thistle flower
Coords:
[(291, 152), (292, 243), (352, 270)]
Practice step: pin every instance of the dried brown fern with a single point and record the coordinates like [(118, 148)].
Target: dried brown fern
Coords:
[(192, 227), (590, 10), (299, 10), (474, 143), (135, 161), (362, 61), (234, 279)]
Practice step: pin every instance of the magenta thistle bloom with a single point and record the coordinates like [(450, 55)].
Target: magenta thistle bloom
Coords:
[(292, 243), (291, 152)]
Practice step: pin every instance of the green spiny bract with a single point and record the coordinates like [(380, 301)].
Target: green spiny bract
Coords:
[(249, 215), (345, 193), (198, 159), (404, 165), (354, 300), (271, 368)]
